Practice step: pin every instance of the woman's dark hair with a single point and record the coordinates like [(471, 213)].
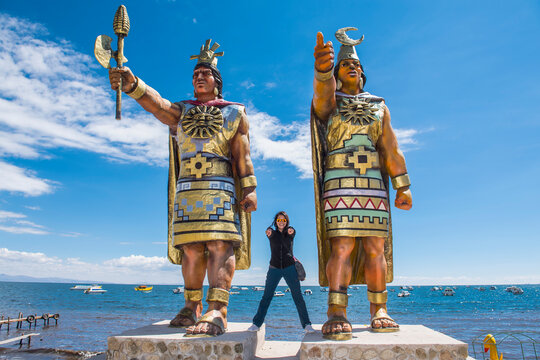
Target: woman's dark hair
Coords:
[(284, 214), (217, 77), (363, 76)]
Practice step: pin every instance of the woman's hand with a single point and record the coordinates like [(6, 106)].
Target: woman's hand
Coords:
[(268, 232), (290, 231)]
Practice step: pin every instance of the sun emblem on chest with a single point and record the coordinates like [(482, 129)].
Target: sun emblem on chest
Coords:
[(202, 121), (358, 111)]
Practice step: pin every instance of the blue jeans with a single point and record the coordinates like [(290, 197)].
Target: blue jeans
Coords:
[(272, 280)]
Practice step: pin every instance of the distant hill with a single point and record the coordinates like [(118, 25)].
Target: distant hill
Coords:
[(22, 278)]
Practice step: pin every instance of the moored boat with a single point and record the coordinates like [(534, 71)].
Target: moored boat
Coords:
[(144, 288), (95, 290), (84, 287), (448, 292), (178, 290), (404, 293), (308, 292), (278, 294)]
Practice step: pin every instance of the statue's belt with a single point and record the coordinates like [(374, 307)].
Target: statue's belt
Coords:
[(200, 166), (360, 159)]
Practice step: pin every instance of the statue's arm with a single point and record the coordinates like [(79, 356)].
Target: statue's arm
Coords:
[(324, 84), (394, 161), (244, 166), (151, 101)]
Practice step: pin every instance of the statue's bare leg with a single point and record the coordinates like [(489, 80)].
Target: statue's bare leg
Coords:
[(193, 271), (338, 271), (221, 265), (375, 272)]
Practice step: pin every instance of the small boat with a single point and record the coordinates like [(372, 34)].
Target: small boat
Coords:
[(435, 288), (481, 288), (517, 290), (258, 288), (448, 292), (492, 288), (95, 290), (308, 292), (144, 288), (234, 292), (84, 287), (178, 290), (404, 293), (278, 294), (235, 288), (244, 288), (323, 289), (287, 290), (407, 288)]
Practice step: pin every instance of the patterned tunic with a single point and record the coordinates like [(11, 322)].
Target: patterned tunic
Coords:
[(354, 196), (205, 205)]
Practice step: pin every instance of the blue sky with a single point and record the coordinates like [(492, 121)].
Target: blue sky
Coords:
[(83, 196)]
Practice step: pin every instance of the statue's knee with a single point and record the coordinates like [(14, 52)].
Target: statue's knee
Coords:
[(193, 250)]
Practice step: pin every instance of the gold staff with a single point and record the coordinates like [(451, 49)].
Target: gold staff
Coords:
[(104, 52)]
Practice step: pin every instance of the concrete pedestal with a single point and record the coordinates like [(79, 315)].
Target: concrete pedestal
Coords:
[(159, 341), (411, 342)]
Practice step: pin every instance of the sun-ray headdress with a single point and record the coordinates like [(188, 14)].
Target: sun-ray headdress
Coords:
[(208, 54)]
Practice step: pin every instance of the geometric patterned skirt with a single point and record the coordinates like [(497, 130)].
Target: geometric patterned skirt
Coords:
[(205, 210), (354, 205)]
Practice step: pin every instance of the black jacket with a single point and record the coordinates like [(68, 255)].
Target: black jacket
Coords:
[(281, 245)]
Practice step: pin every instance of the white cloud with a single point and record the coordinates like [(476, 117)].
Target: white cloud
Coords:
[(270, 85), (50, 98), (247, 84), (128, 269), (16, 223), (18, 180), (194, 20), (35, 208)]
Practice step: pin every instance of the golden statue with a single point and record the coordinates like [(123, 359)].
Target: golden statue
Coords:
[(354, 152), (211, 188)]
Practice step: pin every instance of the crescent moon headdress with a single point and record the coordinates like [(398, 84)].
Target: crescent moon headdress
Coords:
[(347, 50)]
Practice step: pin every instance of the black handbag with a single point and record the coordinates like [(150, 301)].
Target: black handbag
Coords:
[(300, 270)]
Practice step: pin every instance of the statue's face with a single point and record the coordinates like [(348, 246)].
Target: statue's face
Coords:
[(203, 81), (281, 222), (350, 72)]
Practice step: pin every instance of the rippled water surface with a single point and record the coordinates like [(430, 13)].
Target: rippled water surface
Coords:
[(86, 320)]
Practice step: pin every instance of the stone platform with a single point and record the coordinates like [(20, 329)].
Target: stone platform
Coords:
[(159, 341), (411, 342)]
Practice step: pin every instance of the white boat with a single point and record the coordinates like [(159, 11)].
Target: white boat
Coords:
[(287, 290), (448, 292), (83, 287), (481, 288), (178, 290), (404, 293), (492, 288), (258, 288), (278, 294), (323, 289), (435, 288), (95, 290), (308, 292), (244, 288)]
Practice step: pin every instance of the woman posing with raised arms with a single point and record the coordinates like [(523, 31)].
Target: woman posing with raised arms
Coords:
[(281, 266)]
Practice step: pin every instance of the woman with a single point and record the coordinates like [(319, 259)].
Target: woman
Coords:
[(281, 266)]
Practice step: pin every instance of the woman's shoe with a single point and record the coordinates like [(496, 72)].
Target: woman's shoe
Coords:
[(253, 327)]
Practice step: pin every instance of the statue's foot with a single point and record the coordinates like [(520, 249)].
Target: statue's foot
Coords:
[(213, 323), (186, 317), (337, 327), (382, 322)]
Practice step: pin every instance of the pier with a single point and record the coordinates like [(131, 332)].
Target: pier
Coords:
[(30, 319)]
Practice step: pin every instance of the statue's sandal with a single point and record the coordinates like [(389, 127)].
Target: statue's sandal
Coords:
[(214, 317), (186, 313), (339, 299), (379, 298)]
